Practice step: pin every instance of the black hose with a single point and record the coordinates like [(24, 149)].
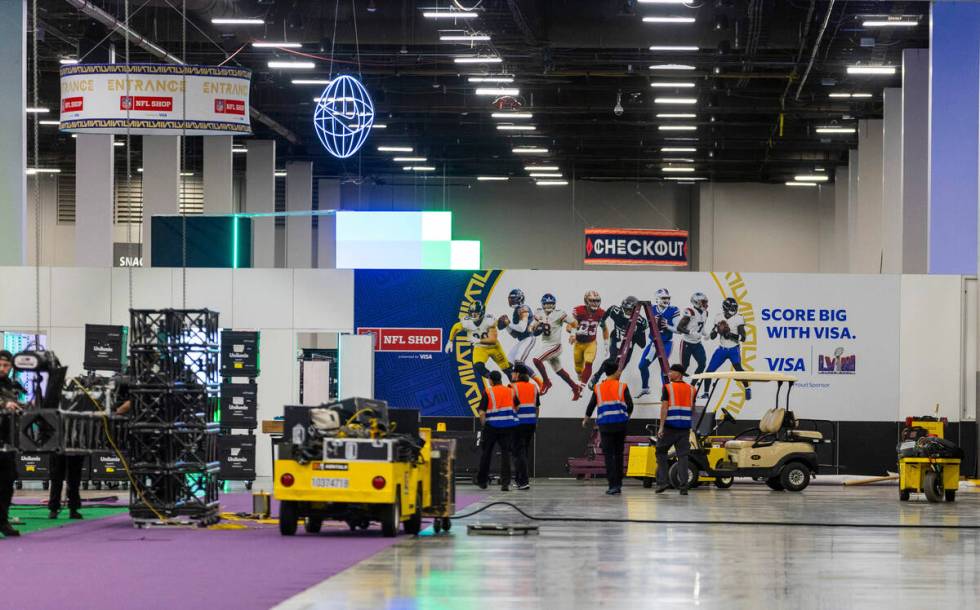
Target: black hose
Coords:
[(920, 526)]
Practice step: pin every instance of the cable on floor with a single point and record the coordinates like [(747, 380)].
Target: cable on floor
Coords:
[(554, 518)]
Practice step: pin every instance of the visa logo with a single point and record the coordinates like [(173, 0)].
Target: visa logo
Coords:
[(786, 364)]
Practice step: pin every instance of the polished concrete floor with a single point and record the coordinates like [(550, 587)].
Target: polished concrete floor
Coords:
[(633, 565)]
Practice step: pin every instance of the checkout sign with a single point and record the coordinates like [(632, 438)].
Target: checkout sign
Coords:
[(405, 339), (636, 247)]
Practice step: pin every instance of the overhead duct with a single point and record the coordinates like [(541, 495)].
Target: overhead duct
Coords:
[(115, 25)]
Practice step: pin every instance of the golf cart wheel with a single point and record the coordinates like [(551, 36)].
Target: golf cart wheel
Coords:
[(724, 482), (414, 524), (312, 525), (951, 495), (932, 485), (774, 484), (391, 518), (287, 518), (794, 477), (904, 495), (674, 476), (647, 482)]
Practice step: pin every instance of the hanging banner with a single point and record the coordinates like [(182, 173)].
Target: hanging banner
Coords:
[(635, 247), (151, 99)]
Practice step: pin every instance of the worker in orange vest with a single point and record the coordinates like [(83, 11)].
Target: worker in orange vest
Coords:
[(615, 405), (528, 408), (498, 416), (677, 404)]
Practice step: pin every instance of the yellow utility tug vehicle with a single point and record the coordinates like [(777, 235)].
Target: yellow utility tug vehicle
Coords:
[(353, 462)]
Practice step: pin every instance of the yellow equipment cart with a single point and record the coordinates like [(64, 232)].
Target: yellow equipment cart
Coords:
[(359, 481), (938, 478)]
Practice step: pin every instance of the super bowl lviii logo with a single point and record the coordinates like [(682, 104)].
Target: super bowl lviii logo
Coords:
[(839, 363)]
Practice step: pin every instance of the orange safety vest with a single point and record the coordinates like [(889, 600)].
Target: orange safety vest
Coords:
[(500, 407), (611, 402), (527, 402), (680, 402)]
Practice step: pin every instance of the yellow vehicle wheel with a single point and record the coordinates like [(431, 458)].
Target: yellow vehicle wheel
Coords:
[(932, 485), (312, 525), (391, 518), (414, 524), (287, 518)]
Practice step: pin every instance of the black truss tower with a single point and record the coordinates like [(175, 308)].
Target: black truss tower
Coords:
[(173, 435)]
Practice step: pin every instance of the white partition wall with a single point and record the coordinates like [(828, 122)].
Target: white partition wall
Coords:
[(13, 146), (356, 367)]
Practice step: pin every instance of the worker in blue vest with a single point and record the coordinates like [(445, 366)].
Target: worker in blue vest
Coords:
[(677, 403), (615, 405), (498, 416)]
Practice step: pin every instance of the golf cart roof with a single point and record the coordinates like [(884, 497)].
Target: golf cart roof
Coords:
[(746, 376)]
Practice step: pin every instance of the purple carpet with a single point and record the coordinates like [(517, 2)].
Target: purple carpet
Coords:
[(106, 564)]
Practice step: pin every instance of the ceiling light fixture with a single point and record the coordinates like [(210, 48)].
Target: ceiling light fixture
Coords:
[(279, 174), (379, 126), (530, 150), (449, 15), (793, 183), (880, 70), (889, 23), (512, 115), (835, 130), (541, 168), (118, 143), (37, 110), (676, 115), (552, 182), (49, 122), (475, 59), (498, 91), (239, 150), (684, 178), (678, 149), (491, 79), (674, 48), (292, 65), (678, 170), (236, 21), (668, 19), (493, 178), (675, 100), (308, 81), (864, 95), (516, 128), (677, 127), (67, 61), (814, 178), (407, 149), (409, 159), (464, 38), (32, 171), (678, 160), (672, 84), (186, 174), (261, 44), (423, 168), (672, 67)]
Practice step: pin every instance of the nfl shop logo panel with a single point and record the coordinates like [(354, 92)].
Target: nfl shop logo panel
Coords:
[(635, 247)]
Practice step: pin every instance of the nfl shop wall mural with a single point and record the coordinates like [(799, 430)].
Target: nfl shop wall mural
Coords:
[(438, 332)]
